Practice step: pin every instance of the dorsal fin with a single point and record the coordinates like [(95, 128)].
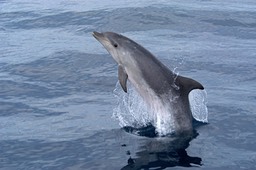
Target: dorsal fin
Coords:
[(187, 84)]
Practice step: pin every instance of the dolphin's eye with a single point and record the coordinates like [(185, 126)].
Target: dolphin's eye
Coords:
[(115, 45)]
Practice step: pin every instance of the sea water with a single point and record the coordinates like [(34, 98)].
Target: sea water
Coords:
[(57, 82)]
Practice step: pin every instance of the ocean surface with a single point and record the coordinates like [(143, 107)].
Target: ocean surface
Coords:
[(59, 92)]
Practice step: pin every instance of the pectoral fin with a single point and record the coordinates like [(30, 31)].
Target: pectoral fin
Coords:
[(122, 76)]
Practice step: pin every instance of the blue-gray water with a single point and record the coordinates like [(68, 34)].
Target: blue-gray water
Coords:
[(57, 82)]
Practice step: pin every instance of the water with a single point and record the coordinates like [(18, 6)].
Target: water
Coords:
[(57, 83)]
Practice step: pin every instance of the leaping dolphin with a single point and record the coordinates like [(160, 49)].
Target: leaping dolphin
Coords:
[(165, 92)]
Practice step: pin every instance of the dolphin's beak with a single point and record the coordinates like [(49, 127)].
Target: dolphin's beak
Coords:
[(98, 35), (101, 38)]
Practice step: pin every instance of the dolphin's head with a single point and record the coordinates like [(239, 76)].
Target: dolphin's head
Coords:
[(116, 44)]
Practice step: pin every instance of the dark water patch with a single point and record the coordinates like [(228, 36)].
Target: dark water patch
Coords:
[(3, 1), (9, 89), (224, 112), (228, 68), (232, 27), (165, 160), (150, 130), (118, 20), (230, 23), (245, 33), (64, 73), (235, 126), (136, 19), (10, 18), (18, 108), (16, 16), (37, 154), (251, 78), (2, 65), (2, 29), (57, 20), (86, 153), (184, 14), (164, 152), (122, 18)]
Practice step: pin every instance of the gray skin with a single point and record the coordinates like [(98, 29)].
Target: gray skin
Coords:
[(157, 85)]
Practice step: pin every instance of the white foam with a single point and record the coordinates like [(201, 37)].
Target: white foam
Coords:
[(131, 110), (198, 101)]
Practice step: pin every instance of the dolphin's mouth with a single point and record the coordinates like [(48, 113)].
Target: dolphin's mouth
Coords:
[(97, 35), (102, 39)]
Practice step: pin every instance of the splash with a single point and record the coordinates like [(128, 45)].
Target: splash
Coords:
[(198, 101), (132, 110)]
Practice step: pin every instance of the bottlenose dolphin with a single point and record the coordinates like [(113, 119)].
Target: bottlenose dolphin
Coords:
[(165, 92)]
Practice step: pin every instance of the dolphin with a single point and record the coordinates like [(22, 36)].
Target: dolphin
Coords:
[(165, 92)]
